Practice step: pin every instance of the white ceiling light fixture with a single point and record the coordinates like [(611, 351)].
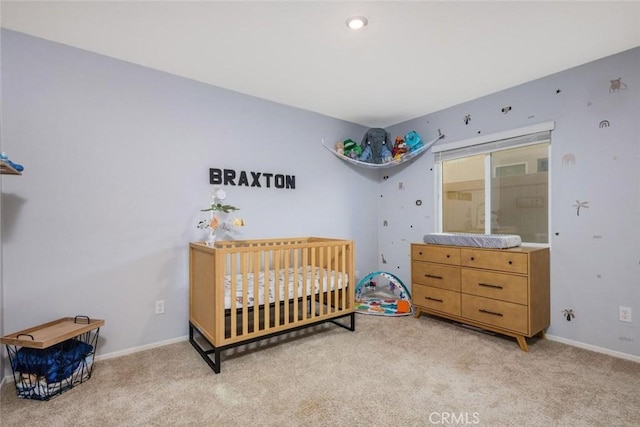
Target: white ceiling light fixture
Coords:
[(357, 22)]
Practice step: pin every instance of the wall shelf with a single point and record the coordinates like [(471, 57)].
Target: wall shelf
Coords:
[(404, 159), (7, 169)]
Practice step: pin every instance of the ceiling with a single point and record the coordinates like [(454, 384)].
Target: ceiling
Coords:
[(414, 57)]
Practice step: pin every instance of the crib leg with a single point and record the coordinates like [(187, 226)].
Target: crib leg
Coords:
[(213, 364), (352, 323)]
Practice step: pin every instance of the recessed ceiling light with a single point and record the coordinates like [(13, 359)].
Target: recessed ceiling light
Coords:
[(356, 22)]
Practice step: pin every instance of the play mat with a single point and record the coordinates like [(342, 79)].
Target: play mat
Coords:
[(382, 294)]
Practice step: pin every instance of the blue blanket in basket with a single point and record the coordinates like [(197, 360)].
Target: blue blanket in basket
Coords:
[(55, 363)]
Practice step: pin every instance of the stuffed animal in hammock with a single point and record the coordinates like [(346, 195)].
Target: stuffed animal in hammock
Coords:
[(351, 149), (399, 149), (376, 146), (413, 141)]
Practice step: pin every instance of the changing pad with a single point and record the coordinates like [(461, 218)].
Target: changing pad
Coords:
[(495, 241)]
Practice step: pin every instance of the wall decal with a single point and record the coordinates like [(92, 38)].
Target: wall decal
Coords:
[(568, 159), (478, 132), (558, 91), (579, 205), (505, 110), (604, 124), (467, 119), (589, 104), (258, 179), (384, 261), (616, 85), (401, 186), (568, 313), (386, 177), (530, 117), (418, 202), (385, 223)]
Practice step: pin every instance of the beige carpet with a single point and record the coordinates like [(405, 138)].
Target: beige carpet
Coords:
[(390, 371)]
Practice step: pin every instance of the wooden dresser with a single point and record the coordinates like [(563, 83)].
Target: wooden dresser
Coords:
[(501, 290)]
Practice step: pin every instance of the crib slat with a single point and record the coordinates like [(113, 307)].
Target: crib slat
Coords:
[(296, 294), (304, 260), (232, 296), (277, 271), (266, 288), (312, 284), (256, 291), (319, 274), (286, 265), (245, 293)]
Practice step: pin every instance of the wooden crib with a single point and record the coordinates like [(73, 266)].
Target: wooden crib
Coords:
[(244, 291)]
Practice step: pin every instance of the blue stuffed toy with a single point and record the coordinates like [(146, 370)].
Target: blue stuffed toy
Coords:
[(413, 141)]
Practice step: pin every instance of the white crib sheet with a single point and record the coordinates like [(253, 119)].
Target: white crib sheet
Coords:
[(294, 277)]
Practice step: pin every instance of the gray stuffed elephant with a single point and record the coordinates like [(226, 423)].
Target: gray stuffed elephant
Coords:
[(376, 146)]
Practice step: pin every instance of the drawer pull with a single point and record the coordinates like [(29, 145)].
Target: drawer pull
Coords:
[(487, 285), (472, 258), (448, 256), (510, 262), (433, 276), (493, 313), (433, 299)]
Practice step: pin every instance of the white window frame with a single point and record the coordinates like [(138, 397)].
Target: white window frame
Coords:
[(519, 137)]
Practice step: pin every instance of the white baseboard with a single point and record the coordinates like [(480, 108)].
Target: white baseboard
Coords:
[(141, 348), (597, 349)]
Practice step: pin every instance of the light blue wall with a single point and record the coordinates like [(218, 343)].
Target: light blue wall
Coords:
[(595, 257), (117, 162), (1, 262)]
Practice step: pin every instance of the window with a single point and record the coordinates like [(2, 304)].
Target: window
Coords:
[(495, 186)]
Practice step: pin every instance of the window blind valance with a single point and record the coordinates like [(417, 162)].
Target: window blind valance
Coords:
[(520, 137)]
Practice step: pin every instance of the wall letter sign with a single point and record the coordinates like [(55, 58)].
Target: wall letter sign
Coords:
[(251, 179)]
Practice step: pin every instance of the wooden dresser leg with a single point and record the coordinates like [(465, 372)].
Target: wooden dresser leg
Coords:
[(417, 313), (522, 342)]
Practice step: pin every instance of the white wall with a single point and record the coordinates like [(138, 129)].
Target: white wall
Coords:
[(595, 257), (117, 162)]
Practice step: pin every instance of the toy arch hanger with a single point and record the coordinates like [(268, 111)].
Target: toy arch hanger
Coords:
[(406, 158)]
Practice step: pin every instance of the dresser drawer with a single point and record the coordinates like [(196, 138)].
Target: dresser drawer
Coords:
[(436, 299), (432, 253), (502, 314), (505, 287), (437, 275), (501, 260)]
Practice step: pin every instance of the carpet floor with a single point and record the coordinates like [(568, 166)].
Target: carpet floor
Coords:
[(397, 371)]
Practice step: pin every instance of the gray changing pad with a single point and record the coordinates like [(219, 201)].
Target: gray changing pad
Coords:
[(495, 241)]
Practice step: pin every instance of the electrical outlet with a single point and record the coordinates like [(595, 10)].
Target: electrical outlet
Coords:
[(625, 314), (160, 306)]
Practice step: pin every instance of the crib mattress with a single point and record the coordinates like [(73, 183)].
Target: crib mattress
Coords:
[(317, 280), (495, 241)]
